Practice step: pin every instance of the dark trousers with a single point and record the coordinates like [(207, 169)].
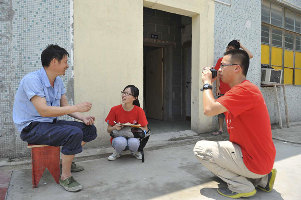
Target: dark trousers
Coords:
[(68, 134)]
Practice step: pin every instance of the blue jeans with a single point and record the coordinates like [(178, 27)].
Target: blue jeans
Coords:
[(68, 134)]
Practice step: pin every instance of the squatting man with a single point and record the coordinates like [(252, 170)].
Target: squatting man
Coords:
[(244, 162)]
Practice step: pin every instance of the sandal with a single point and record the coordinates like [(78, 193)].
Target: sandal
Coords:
[(217, 133)]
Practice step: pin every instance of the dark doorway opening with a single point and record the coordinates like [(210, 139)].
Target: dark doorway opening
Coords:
[(167, 66)]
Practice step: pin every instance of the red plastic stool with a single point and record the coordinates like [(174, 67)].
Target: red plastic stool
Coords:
[(44, 156)]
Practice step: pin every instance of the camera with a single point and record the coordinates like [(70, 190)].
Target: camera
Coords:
[(214, 72)]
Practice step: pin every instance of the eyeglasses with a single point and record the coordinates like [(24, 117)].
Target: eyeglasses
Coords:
[(126, 93), (225, 65)]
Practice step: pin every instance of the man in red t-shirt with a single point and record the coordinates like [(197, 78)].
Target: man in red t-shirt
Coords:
[(246, 161), (221, 87)]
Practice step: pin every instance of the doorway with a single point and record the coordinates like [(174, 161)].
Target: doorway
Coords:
[(153, 82), (167, 66), (187, 76)]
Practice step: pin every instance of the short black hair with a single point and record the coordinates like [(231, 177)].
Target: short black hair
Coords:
[(240, 57), (52, 51), (235, 44)]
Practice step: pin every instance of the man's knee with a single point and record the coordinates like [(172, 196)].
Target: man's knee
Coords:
[(203, 150), (90, 134), (75, 135), (72, 144)]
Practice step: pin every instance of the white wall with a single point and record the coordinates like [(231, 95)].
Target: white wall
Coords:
[(108, 52)]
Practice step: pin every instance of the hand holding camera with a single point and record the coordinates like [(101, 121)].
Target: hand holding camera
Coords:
[(209, 75)]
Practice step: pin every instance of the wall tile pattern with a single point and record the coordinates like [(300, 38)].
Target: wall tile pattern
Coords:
[(26, 28)]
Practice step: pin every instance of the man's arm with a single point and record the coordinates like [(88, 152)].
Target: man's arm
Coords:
[(88, 120), (54, 111), (210, 106)]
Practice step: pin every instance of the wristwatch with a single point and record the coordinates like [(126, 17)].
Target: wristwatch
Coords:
[(206, 86)]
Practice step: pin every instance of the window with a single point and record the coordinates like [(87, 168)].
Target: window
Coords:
[(298, 43), (276, 15), (281, 41), (265, 39), (289, 21), (276, 37), (289, 41), (298, 24), (265, 12)]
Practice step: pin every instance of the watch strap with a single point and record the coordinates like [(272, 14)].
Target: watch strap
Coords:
[(206, 87)]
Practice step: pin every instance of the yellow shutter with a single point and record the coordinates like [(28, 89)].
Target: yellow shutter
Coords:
[(276, 56), (265, 54)]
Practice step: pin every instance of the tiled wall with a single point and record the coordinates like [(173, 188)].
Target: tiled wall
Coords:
[(26, 28), (242, 20)]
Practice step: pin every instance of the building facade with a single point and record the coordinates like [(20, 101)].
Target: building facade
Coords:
[(160, 46)]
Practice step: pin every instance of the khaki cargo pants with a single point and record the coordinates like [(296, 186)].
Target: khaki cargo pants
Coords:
[(224, 159)]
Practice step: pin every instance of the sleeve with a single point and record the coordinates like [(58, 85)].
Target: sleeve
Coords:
[(238, 100), (111, 117), (142, 118), (32, 86), (218, 64)]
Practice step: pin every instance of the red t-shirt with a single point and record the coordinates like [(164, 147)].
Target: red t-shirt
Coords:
[(248, 124), (223, 87), (119, 115)]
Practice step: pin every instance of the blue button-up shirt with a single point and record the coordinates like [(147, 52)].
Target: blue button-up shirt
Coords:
[(35, 84)]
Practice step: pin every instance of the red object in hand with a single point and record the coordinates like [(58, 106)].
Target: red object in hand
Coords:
[(43, 157)]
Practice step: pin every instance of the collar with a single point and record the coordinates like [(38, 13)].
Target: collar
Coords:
[(45, 78)]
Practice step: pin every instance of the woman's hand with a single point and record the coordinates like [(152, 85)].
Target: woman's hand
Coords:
[(117, 126)]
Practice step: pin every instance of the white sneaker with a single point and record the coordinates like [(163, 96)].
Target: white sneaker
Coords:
[(138, 155), (114, 156)]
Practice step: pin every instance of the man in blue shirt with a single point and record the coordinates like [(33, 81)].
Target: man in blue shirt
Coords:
[(40, 99)]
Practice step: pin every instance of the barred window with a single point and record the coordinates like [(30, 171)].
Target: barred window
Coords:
[(289, 41), (298, 43), (281, 40), (265, 35)]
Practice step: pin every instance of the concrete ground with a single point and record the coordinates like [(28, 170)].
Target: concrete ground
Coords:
[(170, 171)]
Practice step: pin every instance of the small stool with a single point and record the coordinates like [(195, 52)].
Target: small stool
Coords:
[(44, 156)]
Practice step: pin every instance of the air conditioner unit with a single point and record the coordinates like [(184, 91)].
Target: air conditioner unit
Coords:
[(271, 76)]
